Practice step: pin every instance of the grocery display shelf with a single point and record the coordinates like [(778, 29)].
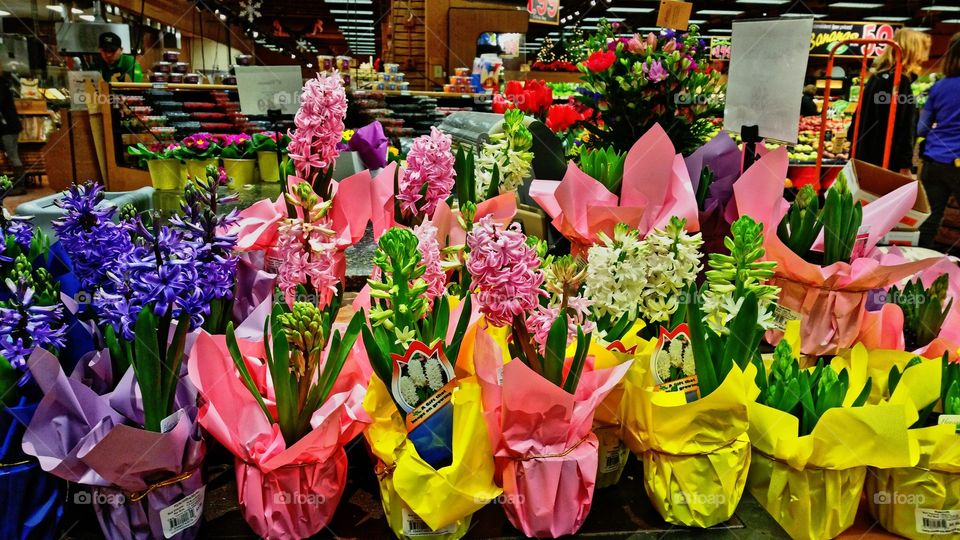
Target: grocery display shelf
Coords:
[(172, 86), (546, 76)]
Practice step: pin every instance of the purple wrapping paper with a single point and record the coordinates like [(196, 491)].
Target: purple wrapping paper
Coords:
[(370, 142), (723, 156), (89, 438), (254, 285)]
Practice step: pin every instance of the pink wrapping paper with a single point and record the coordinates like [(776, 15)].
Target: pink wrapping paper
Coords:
[(656, 186), (545, 450), (284, 492), (883, 329), (503, 208), (832, 299), (86, 438)]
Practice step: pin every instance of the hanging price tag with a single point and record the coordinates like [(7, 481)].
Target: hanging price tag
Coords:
[(675, 15), (182, 514)]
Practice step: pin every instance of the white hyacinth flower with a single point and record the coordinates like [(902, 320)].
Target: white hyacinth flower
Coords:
[(434, 374), (408, 391), (415, 369)]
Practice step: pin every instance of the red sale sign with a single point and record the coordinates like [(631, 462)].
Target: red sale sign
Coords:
[(827, 35), (544, 11)]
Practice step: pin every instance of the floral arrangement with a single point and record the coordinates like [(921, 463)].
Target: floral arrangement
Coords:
[(506, 161), (666, 73), (429, 176), (155, 151)]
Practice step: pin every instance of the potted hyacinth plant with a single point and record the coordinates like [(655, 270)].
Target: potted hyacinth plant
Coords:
[(238, 160), (32, 317), (314, 402), (154, 286), (420, 397), (265, 146), (199, 151), (508, 281)]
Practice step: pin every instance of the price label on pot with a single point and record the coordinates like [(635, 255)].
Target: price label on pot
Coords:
[(782, 315), (612, 457), (414, 526), (182, 514), (949, 419), (932, 521)]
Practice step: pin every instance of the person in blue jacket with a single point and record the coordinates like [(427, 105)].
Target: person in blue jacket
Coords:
[(940, 124)]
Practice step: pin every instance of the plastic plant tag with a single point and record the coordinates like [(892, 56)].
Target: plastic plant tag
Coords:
[(782, 315), (171, 421), (860, 244), (182, 514), (932, 521), (422, 383), (414, 526), (949, 419), (672, 363)]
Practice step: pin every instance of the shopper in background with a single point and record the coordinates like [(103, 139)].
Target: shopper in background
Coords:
[(10, 129), (808, 107), (873, 117), (115, 66), (940, 124)]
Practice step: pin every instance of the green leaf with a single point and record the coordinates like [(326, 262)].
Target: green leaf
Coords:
[(864, 393), (245, 376), (702, 355), (147, 368), (579, 359), (453, 348), (555, 351), (174, 358)]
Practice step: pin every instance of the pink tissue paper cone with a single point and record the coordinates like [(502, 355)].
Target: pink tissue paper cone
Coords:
[(656, 186), (84, 437), (542, 437), (284, 491), (831, 300)]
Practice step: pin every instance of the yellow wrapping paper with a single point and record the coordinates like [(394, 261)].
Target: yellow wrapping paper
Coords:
[(812, 484), (861, 363), (921, 501), (443, 499), (695, 455)]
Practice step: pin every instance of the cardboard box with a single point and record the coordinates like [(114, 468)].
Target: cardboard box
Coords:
[(869, 182), (901, 238)]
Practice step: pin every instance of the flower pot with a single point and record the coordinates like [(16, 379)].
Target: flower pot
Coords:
[(149, 515), (166, 174), (613, 455), (292, 501), (811, 503), (32, 500), (267, 161), (240, 171), (198, 167)]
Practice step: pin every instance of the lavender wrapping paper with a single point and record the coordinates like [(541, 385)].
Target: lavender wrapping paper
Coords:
[(254, 285), (371, 143), (723, 157), (87, 438)]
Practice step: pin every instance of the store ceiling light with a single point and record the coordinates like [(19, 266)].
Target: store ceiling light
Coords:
[(58, 8), (881, 18), (597, 19), (920, 28), (720, 30), (951, 21), (88, 18), (618, 9), (350, 12), (941, 8), (803, 15), (4, 13), (731, 12), (697, 21), (856, 5), (763, 2)]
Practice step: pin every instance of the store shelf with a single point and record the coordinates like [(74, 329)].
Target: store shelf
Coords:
[(33, 113), (171, 86)]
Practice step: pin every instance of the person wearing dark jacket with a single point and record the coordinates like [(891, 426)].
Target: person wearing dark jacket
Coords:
[(808, 107), (874, 114), (940, 124), (10, 129)]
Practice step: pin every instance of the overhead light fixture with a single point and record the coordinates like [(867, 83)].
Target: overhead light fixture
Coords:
[(619, 9), (88, 18), (223, 17), (919, 28), (355, 2), (55, 7), (803, 15), (4, 13), (720, 30), (597, 19), (886, 19), (76, 11), (350, 12), (697, 21), (856, 5), (763, 2), (941, 8), (730, 12), (952, 21)]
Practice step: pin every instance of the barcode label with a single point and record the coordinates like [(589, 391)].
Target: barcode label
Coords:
[(782, 315), (613, 458), (931, 521), (949, 419), (414, 526), (171, 421), (182, 514), (500, 375)]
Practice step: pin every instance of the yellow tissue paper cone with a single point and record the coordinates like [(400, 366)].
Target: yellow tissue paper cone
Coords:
[(695, 454), (445, 498), (465, 367)]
